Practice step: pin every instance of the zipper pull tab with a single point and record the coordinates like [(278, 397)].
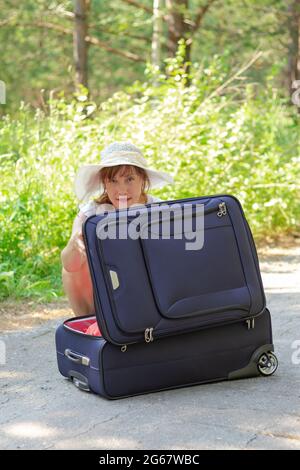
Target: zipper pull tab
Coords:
[(148, 335), (223, 210), (151, 334), (251, 323)]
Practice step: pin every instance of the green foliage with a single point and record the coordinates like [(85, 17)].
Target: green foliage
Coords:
[(42, 56), (214, 139)]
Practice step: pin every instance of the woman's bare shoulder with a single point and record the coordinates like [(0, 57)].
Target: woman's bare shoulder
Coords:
[(88, 209)]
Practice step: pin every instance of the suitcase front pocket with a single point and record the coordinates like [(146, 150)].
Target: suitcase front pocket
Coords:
[(188, 283)]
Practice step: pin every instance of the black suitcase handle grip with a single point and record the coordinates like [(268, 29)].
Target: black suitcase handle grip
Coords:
[(77, 358)]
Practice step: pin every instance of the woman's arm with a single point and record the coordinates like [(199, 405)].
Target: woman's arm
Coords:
[(73, 256)]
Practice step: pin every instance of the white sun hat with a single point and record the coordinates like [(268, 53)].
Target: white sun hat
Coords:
[(87, 180)]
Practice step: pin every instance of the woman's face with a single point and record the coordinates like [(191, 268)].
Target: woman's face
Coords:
[(125, 190)]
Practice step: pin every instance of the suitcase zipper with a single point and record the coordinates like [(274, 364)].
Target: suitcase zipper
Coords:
[(221, 210), (148, 335), (249, 321)]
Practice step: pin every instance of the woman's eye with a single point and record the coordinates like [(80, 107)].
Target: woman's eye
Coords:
[(129, 179)]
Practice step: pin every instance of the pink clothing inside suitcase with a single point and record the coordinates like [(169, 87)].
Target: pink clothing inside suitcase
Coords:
[(89, 326)]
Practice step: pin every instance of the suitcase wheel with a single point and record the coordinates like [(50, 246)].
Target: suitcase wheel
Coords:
[(267, 363)]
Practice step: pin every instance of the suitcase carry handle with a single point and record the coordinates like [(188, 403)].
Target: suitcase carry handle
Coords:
[(77, 358)]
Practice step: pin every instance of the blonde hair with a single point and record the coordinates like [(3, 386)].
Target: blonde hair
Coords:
[(108, 173)]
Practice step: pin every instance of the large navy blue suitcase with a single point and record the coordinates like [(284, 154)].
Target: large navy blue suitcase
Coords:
[(170, 316)]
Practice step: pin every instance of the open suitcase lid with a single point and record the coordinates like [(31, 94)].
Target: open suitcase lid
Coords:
[(172, 267)]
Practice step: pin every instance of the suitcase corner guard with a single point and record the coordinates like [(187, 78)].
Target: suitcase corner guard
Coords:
[(263, 362), (79, 380)]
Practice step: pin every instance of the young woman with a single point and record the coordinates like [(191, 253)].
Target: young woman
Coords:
[(123, 179)]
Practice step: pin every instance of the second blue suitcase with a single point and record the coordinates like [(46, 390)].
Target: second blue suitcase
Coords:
[(214, 354)]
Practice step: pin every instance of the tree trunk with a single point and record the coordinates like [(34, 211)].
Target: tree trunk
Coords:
[(157, 33), (2, 92), (294, 48), (177, 28), (81, 10)]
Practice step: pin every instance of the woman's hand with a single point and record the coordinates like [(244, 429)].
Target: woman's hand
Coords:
[(76, 242), (73, 256)]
